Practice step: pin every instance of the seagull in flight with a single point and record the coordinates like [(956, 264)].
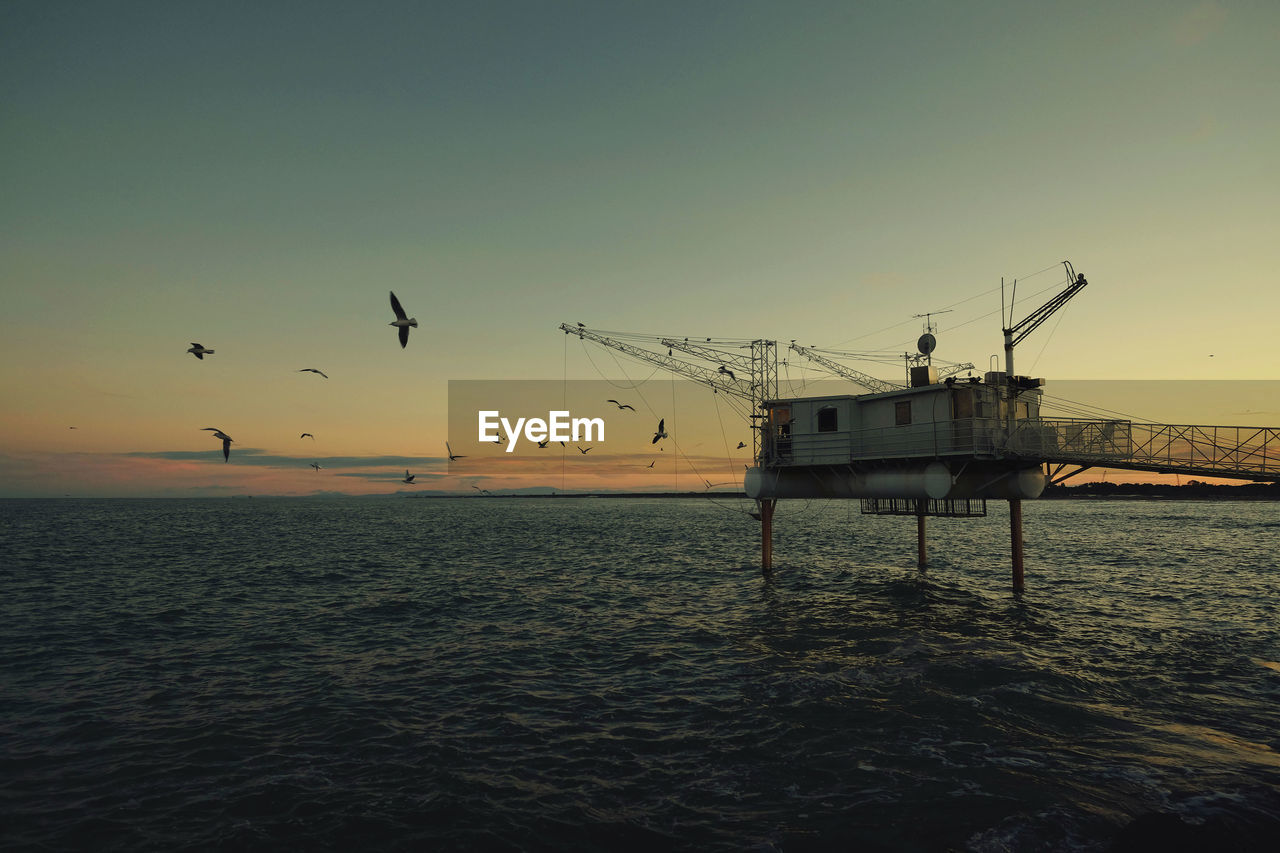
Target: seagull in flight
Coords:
[(661, 433), (740, 445), (583, 452), (543, 443), (226, 441), (621, 405), (307, 435), (651, 464), (403, 321), (408, 478), (452, 455), (316, 466), (199, 351), (313, 370), (727, 372)]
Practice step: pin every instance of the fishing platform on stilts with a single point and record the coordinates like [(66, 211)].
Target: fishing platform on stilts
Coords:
[(942, 447)]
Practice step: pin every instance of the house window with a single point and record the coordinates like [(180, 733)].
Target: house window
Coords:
[(827, 419), (780, 419), (902, 413)]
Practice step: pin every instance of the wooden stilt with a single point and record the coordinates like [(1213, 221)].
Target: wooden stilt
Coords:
[(766, 534), (920, 550), (1015, 542)]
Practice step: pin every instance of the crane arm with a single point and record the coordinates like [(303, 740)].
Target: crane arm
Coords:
[(1015, 333), (696, 372), (877, 385), (736, 360), (954, 369)]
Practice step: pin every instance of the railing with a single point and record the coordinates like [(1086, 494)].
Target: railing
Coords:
[(1227, 451)]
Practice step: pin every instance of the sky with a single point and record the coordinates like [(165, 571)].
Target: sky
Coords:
[(256, 177)]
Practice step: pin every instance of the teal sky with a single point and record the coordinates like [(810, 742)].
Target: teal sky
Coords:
[(257, 176)]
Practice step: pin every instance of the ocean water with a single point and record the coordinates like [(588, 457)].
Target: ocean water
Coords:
[(529, 674)]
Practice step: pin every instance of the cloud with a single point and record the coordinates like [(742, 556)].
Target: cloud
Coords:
[(389, 477), (254, 456), (1196, 25)]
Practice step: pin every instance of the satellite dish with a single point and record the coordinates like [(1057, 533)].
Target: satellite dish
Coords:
[(926, 343)]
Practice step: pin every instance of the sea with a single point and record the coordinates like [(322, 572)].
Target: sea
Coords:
[(619, 674)]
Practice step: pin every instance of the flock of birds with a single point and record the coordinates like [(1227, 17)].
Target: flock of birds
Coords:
[(403, 322)]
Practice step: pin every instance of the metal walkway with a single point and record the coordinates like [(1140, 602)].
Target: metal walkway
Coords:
[(1237, 452)]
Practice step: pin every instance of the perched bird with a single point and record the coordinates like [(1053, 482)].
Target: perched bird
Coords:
[(226, 441), (316, 466), (740, 445), (452, 455), (583, 452), (727, 372), (307, 435), (403, 321), (199, 351), (661, 433), (313, 370), (408, 478), (621, 405)]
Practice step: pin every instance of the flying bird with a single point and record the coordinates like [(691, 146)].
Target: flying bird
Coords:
[(226, 441), (583, 452), (307, 435), (316, 466), (621, 405), (661, 433), (403, 321), (651, 464), (727, 372), (543, 443), (452, 455), (313, 370), (199, 351), (408, 478), (740, 445)]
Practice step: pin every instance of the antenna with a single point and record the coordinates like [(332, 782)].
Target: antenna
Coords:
[(928, 343)]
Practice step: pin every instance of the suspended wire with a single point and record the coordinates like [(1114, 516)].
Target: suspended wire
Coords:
[(1045, 346), (1087, 409), (947, 308)]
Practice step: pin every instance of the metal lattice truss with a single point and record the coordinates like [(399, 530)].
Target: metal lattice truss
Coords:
[(1246, 453), (752, 379), (878, 386)]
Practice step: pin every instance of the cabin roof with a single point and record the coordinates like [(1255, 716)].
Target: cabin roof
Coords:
[(870, 396)]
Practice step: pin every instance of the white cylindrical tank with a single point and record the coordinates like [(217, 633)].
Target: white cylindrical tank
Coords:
[(925, 480)]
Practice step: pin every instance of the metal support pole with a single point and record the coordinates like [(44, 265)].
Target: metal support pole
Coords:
[(1015, 541), (920, 534), (766, 534)]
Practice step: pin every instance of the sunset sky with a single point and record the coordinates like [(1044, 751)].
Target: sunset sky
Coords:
[(258, 176)]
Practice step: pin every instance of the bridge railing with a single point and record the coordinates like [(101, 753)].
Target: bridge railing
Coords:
[(1250, 452)]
